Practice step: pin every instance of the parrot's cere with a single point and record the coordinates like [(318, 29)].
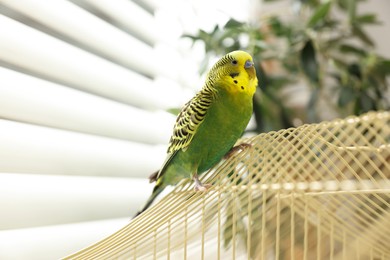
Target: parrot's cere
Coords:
[(209, 125)]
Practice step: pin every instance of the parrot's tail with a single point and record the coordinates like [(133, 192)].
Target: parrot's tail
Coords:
[(158, 188)]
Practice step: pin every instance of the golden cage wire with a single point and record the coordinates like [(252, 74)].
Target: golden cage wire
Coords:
[(318, 191)]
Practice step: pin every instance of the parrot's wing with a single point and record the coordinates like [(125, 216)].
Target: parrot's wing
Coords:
[(187, 123)]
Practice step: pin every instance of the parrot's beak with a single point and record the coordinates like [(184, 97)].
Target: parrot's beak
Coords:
[(250, 68)]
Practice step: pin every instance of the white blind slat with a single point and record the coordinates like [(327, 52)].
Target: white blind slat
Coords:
[(33, 100), (54, 242), (36, 149), (39, 52), (151, 4), (129, 15), (105, 38), (27, 199)]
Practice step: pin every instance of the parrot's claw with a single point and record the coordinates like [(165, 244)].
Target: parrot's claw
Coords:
[(199, 186), (202, 187), (237, 148)]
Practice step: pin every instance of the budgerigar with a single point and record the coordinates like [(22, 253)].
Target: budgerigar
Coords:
[(210, 123)]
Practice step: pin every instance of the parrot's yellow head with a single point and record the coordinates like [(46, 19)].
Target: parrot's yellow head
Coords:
[(235, 72)]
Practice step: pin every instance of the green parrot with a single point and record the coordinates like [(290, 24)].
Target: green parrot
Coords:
[(209, 124)]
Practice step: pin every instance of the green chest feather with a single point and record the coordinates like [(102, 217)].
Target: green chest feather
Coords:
[(223, 124)]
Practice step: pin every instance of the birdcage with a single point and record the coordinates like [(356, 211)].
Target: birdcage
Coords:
[(319, 191)]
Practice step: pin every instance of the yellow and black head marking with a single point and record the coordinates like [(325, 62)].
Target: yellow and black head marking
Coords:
[(235, 71)]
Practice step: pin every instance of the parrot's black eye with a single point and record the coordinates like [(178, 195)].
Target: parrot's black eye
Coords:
[(234, 62)]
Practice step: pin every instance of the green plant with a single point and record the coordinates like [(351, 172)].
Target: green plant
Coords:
[(320, 46)]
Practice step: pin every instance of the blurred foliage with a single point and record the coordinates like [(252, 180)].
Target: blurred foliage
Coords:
[(320, 46)]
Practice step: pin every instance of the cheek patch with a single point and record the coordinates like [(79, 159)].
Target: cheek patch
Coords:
[(234, 74)]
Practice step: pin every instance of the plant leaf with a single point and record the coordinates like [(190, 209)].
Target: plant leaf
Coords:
[(277, 26), (311, 106), (343, 4), (347, 48), (384, 67), (347, 95), (354, 69), (309, 62), (367, 103), (367, 19), (233, 23), (362, 35), (351, 10), (174, 111), (319, 14)]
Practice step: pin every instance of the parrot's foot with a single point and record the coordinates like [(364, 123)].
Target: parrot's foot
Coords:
[(236, 149), (199, 186), (202, 187)]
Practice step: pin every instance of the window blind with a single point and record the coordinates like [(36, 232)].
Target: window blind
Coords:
[(84, 90)]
